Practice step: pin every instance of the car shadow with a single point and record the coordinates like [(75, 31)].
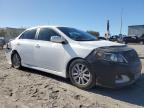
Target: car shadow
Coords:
[(58, 78), (133, 94)]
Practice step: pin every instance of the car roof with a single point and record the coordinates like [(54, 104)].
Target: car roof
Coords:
[(44, 26)]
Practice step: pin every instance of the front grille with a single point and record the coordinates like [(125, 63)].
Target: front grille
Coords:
[(131, 56)]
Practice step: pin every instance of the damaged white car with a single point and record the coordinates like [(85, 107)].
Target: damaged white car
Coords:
[(75, 54)]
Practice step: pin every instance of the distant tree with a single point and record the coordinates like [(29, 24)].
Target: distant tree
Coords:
[(96, 34), (142, 35)]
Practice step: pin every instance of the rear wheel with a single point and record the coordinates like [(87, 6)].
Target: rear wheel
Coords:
[(16, 61), (81, 74)]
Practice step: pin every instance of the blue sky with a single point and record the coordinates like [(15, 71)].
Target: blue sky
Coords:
[(82, 14)]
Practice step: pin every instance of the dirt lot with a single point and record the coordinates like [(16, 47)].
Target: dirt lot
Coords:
[(29, 88)]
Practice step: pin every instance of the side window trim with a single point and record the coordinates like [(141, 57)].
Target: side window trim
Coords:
[(20, 37), (21, 34), (37, 34)]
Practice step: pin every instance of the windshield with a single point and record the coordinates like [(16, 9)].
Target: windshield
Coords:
[(77, 35)]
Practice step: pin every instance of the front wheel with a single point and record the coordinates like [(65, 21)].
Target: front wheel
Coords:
[(81, 75), (16, 61)]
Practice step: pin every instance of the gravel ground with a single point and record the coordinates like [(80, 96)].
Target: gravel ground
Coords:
[(29, 88)]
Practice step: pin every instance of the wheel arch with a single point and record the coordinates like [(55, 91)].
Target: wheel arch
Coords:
[(13, 52), (68, 64)]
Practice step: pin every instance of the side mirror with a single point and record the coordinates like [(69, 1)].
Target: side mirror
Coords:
[(57, 39)]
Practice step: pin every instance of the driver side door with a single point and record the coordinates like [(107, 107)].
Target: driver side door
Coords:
[(47, 54)]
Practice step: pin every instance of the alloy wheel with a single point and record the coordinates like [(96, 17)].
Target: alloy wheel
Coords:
[(81, 74)]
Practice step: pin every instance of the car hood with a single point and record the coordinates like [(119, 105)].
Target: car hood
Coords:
[(100, 43), (84, 48)]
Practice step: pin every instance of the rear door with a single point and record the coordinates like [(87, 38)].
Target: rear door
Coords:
[(25, 46)]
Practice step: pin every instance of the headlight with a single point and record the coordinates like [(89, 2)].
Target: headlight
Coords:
[(114, 57)]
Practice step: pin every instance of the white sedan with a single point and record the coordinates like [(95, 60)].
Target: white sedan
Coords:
[(75, 54)]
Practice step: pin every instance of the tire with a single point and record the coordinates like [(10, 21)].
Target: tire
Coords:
[(16, 60), (81, 75)]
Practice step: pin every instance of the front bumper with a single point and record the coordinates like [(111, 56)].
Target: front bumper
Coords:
[(114, 75)]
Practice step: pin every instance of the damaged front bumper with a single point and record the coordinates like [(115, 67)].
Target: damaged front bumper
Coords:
[(114, 74)]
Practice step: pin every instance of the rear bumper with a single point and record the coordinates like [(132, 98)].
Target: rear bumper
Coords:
[(8, 55)]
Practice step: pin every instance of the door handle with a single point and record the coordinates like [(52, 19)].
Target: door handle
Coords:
[(37, 46)]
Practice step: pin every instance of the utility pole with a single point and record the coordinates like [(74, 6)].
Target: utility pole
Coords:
[(121, 25), (107, 34)]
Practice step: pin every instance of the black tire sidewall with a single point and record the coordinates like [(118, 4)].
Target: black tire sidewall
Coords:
[(92, 81), (13, 65)]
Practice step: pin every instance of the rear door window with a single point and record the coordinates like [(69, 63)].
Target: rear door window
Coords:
[(29, 34)]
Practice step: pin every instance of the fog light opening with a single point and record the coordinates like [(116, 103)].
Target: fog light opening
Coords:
[(122, 79)]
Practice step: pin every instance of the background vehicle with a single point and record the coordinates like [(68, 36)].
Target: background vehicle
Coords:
[(101, 38), (141, 39), (75, 54), (133, 39), (114, 38), (2, 42)]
